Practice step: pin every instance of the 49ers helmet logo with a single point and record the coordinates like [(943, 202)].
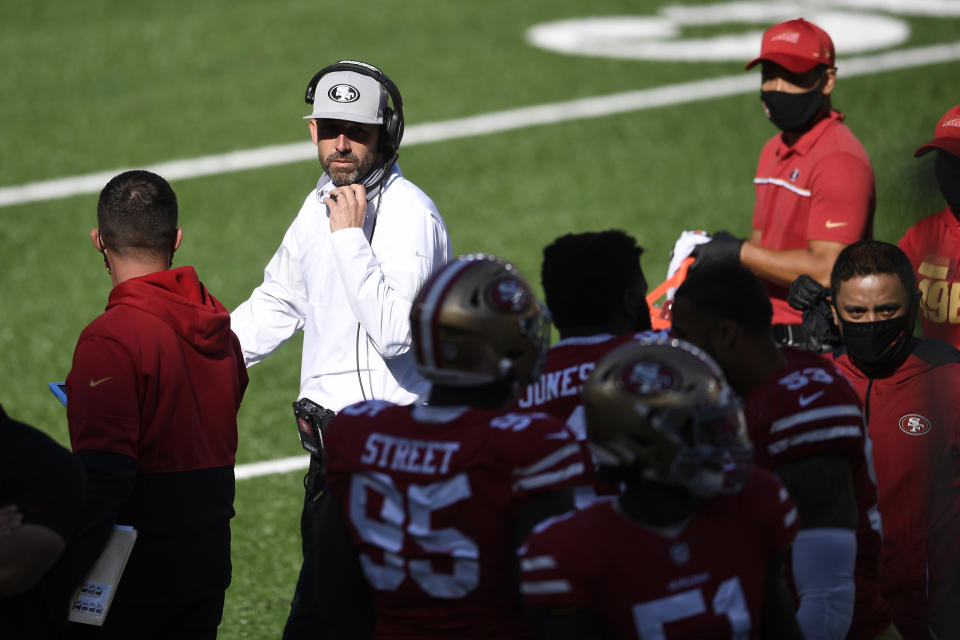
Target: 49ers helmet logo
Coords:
[(508, 295), (914, 424), (647, 378)]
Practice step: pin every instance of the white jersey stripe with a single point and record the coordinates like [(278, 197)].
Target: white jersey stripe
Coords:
[(535, 482), (790, 518), (549, 461), (876, 521), (596, 338), (538, 562), (553, 520), (813, 436), (783, 183), (820, 413), (544, 587)]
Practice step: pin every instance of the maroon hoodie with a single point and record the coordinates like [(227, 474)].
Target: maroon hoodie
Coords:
[(159, 376), (152, 402)]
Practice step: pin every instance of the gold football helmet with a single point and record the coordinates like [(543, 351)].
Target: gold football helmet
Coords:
[(665, 409), (476, 321)]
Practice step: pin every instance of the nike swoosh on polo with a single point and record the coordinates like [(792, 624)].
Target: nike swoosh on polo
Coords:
[(806, 400), (833, 225), (94, 383)]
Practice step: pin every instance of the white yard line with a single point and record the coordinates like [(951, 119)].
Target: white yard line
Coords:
[(269, 467), (494, 122)]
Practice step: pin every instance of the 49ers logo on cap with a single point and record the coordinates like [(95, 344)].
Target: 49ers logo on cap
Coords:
[(914, 424), (343, 93)]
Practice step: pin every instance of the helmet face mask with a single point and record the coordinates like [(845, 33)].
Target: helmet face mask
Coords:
[(665, 412), (477, 321)]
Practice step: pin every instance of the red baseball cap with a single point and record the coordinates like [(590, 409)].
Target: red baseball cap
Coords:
[(796, 45), (946, 136)]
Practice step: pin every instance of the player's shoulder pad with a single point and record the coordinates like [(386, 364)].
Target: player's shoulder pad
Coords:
[(524, 421), (557, 520), (361, 411), (366, 408), (936, 352), (652, 336)]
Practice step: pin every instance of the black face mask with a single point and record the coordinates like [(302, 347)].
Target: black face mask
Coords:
[(792, 111), (947, 169), (886, 342)]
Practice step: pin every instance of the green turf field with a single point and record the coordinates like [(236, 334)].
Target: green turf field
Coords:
[(101, 84)]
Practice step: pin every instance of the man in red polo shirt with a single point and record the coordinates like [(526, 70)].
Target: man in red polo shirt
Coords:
[(933, 244), (814, 182)]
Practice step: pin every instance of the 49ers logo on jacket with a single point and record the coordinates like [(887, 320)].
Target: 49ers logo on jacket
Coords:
[(914, 424)]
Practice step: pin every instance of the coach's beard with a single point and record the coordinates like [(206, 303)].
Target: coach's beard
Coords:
[(343, 177)]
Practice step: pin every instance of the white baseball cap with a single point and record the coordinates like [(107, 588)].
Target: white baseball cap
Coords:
[(348, 95)]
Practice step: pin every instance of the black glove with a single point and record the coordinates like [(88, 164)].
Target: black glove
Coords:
[(723, 248), (806, 293), (810, 297)]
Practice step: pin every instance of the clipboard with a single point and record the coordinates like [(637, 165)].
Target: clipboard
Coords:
[(92, 599)]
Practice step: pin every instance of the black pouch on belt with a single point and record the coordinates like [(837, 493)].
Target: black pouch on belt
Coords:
[(312, 421)]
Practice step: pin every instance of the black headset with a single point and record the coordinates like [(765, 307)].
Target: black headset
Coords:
[(392, 118)]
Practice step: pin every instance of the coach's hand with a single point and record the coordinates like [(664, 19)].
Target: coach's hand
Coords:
[(347, 206), (723, 248)]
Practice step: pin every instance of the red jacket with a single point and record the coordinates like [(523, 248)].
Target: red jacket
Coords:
[(152, 402), (159, 376), (913, 419)]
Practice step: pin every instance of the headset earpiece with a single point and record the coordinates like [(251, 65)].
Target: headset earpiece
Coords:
[(392, 127)]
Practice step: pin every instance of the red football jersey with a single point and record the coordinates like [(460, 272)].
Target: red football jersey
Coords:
[(557, 390), (809, 409), (569, 363), (933, 246), (704, 580), (430, 494)]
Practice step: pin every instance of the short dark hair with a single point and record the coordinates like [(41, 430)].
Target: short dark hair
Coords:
[(871, 257), (137, 211), (731, 292), (585, 275)]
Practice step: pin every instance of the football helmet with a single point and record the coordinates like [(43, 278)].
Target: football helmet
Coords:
[(664, 409), (475, 321)]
